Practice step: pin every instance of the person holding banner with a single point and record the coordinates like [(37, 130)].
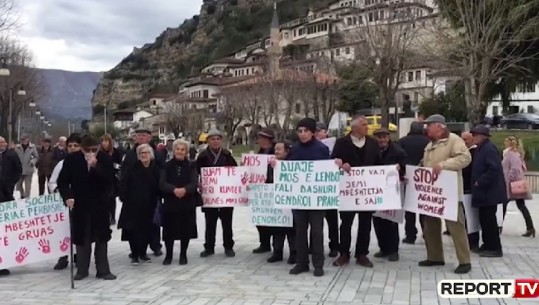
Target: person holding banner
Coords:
[(279, 234), (356, 149), (216, 155), (266, 144), (447, 151), (84, 183), (332, 216), (387, 232), (179, 183), (73, 145), (488, 190), (309, 148)]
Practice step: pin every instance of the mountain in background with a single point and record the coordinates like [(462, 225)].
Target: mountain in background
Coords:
[(68, 94)]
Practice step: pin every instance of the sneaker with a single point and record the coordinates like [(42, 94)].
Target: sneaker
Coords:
[(299, 269), (106, 277), (183, 260), (333, 253), (261, 249), (318, 272), (80, 276), (463, 268), (207, 253), (134, 261), (364, 261), (145, 259), (427, 263), (230, 253), (341, 261)]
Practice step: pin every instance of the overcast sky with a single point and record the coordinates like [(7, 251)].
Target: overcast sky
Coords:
[(94, 35)]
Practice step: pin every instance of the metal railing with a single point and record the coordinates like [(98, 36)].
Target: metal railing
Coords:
[(533, 181)]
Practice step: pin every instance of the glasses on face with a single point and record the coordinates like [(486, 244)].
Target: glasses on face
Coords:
[(90, 149)]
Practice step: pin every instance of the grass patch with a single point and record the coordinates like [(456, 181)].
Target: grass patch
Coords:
[(530, 139)]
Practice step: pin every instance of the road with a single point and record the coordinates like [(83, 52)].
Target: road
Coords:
[(247, 279)]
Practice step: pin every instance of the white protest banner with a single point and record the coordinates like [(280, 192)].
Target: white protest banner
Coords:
[(394, 215), (472, 215), (430, 194), (370, 188), (224, 186), (329, 142), (263, 213), (257, 166), (33, 230), (307, 185)]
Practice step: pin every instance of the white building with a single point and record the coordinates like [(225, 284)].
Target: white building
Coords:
[(525, 100)]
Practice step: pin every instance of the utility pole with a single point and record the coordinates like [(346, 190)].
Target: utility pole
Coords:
[(10, 117)]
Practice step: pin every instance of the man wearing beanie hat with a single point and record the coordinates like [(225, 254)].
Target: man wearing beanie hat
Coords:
[(266, 144), (85, 182), (215, 156), (309, 148)]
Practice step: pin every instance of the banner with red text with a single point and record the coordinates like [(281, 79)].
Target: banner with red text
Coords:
[(224, 186), (371, 188), (430, 194), (33, 230), (257, 166)]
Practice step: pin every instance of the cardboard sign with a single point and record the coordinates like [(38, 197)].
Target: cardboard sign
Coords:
[(33, 230), (371, 188), (257, 166), (430, 194), (472, 215), (224, 186), (307, 185), (394, 215), (263, 212)]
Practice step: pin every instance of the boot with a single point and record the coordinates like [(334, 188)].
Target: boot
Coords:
[(529, 233)]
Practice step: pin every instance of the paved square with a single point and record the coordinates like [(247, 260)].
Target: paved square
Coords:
[(247, 279)]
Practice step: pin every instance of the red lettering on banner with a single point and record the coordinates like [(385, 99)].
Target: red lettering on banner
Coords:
[(424, 175), (36, 233), (4, 241), (251, 160)]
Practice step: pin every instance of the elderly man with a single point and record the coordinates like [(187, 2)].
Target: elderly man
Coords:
[(447, 151), (10, 166), (60, 150), (488, 190), (28, 155)]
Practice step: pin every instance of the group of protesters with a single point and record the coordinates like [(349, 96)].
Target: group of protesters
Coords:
[(159, 190)]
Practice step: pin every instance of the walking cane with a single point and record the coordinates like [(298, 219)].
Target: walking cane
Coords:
[(71, 255)]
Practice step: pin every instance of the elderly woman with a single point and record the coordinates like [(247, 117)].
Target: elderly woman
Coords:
[(178, 184), (139, 192)]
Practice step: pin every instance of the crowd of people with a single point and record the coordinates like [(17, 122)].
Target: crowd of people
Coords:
[(159, 190)]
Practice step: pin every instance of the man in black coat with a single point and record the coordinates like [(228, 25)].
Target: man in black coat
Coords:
[(144, 136), (6, 194), (85, 183), (10, 166), (387, 232), (467, 137), (216, 155), (266, 143), (356, 149), (413, 145), (488, 190)]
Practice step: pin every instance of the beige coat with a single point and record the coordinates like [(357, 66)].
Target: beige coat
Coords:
[(451, 153)]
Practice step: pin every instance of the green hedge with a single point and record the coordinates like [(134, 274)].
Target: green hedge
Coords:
[(530, 139)]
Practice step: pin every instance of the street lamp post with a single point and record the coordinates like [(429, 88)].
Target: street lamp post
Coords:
[(10, 114)]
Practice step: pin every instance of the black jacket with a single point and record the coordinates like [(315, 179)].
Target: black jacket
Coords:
[(467, 174), (179, 174), (395, 155), (488, 183), (6, 194), (11, 168), (131, 159), (414, 146), (345, 150)]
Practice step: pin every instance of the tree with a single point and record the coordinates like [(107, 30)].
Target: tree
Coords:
[(231, 112), (488, 39), (356, 89), (174, 118), (451, 104), (384, 47)]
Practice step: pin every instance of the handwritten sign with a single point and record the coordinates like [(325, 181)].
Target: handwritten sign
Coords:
[(224, 186), (430, 194), (394, 215), (329, 142), (257, 166), (307, 185), (371, 188), (33, 230), (263, 213)]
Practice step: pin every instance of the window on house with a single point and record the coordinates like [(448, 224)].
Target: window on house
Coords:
[(418, 75), (337, 52), (347, 50), (161, 129), (416, 97), (285, 35), (205, 94), (298, 108), (381, 15), (371, 17), (410, 76), (495, 110), (531, 109), (360, 19)]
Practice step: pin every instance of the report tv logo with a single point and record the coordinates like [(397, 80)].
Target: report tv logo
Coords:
[(472, 289)]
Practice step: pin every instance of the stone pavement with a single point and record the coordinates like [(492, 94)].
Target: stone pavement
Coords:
[(247, 279)]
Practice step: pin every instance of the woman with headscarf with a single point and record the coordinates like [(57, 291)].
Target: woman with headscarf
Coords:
[(178, 183)]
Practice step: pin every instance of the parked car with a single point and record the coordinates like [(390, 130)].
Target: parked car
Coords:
[(520, 121)]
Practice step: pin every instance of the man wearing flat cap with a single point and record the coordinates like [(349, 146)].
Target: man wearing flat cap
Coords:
[(214, 156), (387, 232), (488, 190), (265, 141), (446, 151), (144, 136), (85, 182)]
